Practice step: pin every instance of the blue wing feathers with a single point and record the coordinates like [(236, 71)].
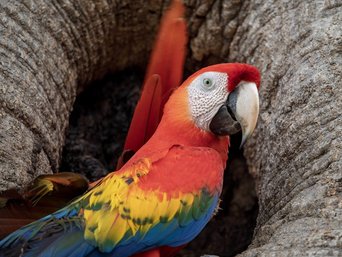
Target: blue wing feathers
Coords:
[(61, 234), (45, 236)]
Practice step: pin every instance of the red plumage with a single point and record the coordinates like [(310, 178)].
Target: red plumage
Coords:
[(164, 73)]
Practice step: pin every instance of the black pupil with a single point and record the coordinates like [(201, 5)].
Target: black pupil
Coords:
[(207, 81)]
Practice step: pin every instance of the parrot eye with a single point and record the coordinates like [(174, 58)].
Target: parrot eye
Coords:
[(208, 83)]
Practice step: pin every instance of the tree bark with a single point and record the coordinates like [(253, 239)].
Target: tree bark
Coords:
[(296, 151), (49, 51)]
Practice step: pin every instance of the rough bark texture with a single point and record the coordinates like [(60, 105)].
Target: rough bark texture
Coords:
[(296, 151), (49, 50)]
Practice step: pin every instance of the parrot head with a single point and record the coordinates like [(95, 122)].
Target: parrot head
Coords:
[(220, 99)]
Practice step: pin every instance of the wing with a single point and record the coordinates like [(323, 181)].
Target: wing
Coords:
[(165, 199), (162, 200)]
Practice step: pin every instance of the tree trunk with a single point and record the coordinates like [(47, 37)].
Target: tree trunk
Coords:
[(49, 51), (296, 151)]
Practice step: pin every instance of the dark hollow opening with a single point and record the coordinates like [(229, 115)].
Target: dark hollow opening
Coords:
[(94, 140)]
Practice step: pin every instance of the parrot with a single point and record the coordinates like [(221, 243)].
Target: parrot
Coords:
[(165, 194)]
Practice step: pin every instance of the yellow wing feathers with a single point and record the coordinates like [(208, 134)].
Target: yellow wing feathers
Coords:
[(106, 213), (117, 209)]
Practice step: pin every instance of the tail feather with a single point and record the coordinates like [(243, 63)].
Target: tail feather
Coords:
[(164, 73), (168, 55), (146, 116)]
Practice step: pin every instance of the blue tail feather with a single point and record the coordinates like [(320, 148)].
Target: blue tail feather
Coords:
[(38, 238)]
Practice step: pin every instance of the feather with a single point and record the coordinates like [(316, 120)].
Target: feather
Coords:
[(46, 194), (146, 115), (164, 73), (168, 55), (63, 184)]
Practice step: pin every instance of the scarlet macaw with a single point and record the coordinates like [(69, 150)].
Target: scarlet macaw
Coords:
[(168, 191)]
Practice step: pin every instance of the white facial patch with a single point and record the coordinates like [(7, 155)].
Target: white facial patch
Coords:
[(207, 93)]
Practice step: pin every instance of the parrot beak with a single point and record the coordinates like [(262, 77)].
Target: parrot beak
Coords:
[(240, 112)]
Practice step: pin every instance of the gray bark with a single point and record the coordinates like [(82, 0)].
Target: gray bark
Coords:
[(296, 151), (49, 51)]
